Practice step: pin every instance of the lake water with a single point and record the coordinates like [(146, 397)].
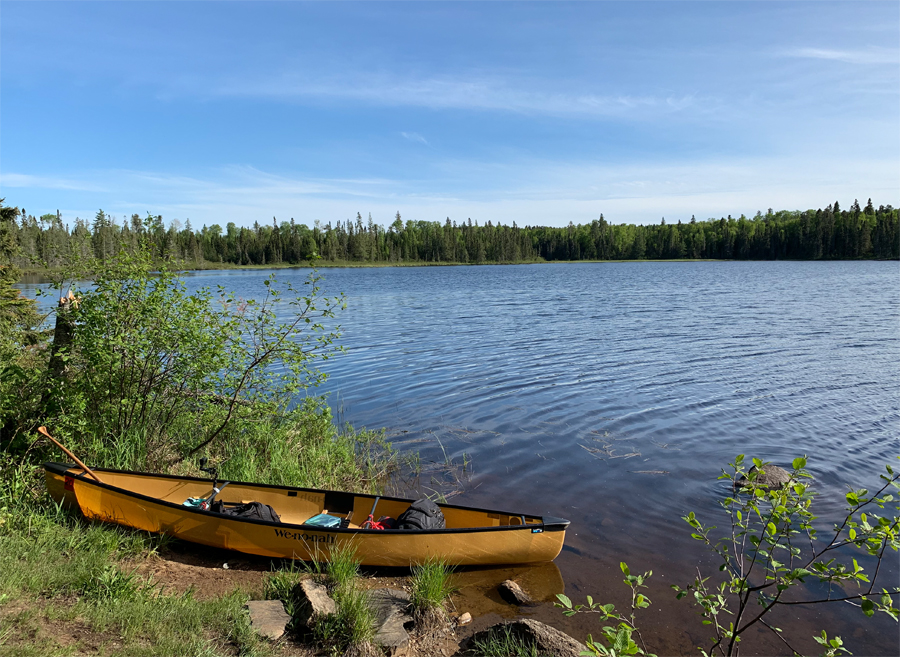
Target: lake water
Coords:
[(613, 395)]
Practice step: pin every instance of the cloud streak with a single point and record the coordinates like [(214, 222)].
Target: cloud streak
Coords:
[(414, 136), (19, 180), (476, 92), (866, 56)]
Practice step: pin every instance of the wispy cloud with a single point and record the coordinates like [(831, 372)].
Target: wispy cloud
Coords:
[(475, 92), (414, 136), (20, 180), (866, 56)]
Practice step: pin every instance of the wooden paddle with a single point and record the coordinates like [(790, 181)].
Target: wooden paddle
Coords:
[(44, 431)]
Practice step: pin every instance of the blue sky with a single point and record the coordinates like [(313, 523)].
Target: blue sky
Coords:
[(538, 113)]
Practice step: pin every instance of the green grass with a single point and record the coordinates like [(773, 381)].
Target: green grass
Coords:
[(86, 589), (349, 631), (353, 627), (432, 586), (503, 643), (143, 624), (343, 567), (280, 585)]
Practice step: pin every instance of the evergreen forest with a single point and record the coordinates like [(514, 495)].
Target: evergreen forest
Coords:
[(831, 233)]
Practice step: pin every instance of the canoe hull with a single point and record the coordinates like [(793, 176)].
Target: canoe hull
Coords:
[(522, 543)]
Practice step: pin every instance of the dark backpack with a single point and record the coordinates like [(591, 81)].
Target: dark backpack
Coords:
[(421, 514), (250, 511)]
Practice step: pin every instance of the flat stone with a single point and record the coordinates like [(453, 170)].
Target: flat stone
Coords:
[(268, 618), (546, 640), (464, 619), (514, 594), (312, 602), (770, 476), (391, 610)]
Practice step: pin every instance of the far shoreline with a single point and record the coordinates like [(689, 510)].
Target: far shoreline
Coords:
[(37, 275)]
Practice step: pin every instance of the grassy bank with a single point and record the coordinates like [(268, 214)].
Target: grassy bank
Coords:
[(68, 586)]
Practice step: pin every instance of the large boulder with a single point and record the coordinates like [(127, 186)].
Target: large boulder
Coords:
[(769, 476), (545, 639)]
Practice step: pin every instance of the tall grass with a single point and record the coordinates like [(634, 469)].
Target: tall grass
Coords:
[(307, 449), (351, 629), (432, 586)]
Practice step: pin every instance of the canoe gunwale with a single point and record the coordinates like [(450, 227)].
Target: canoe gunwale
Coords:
[(547, 524)]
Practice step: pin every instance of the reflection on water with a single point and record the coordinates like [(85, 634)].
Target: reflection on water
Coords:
[(613, 394), (478, 587)]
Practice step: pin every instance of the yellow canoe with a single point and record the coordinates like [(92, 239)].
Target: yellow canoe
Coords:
[(155, 503)]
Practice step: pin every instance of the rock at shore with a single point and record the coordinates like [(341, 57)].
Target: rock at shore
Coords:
[(545, 639), (313, 602), (268, 618), (391, 610)]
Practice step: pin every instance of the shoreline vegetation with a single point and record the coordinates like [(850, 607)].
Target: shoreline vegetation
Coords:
[(45, 244), (138, 373)]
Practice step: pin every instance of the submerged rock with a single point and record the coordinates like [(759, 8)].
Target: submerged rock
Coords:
[(545, 639), (268, 618), (513, 593), (770, 476)]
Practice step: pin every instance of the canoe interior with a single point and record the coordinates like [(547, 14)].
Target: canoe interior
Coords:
[(294, 505)]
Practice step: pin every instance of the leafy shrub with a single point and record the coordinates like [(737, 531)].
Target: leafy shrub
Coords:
[(772, 547), (157, 373)]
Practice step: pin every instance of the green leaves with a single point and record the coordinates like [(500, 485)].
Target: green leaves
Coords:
[(772, 546), (832, 646), (769, 523), (177, 369), (618, 639), (868, 607)]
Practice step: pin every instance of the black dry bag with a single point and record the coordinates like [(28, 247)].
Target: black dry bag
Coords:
[(421, 514), (249, 511)]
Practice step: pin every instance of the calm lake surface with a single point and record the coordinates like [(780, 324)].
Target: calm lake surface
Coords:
[(613, 395)]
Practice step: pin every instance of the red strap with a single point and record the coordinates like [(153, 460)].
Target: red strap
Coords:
[(371, 523)]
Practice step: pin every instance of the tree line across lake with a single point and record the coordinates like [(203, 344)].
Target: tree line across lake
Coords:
[(823, 234)]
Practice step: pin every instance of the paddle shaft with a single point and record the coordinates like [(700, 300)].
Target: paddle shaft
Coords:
[(43, 430)]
